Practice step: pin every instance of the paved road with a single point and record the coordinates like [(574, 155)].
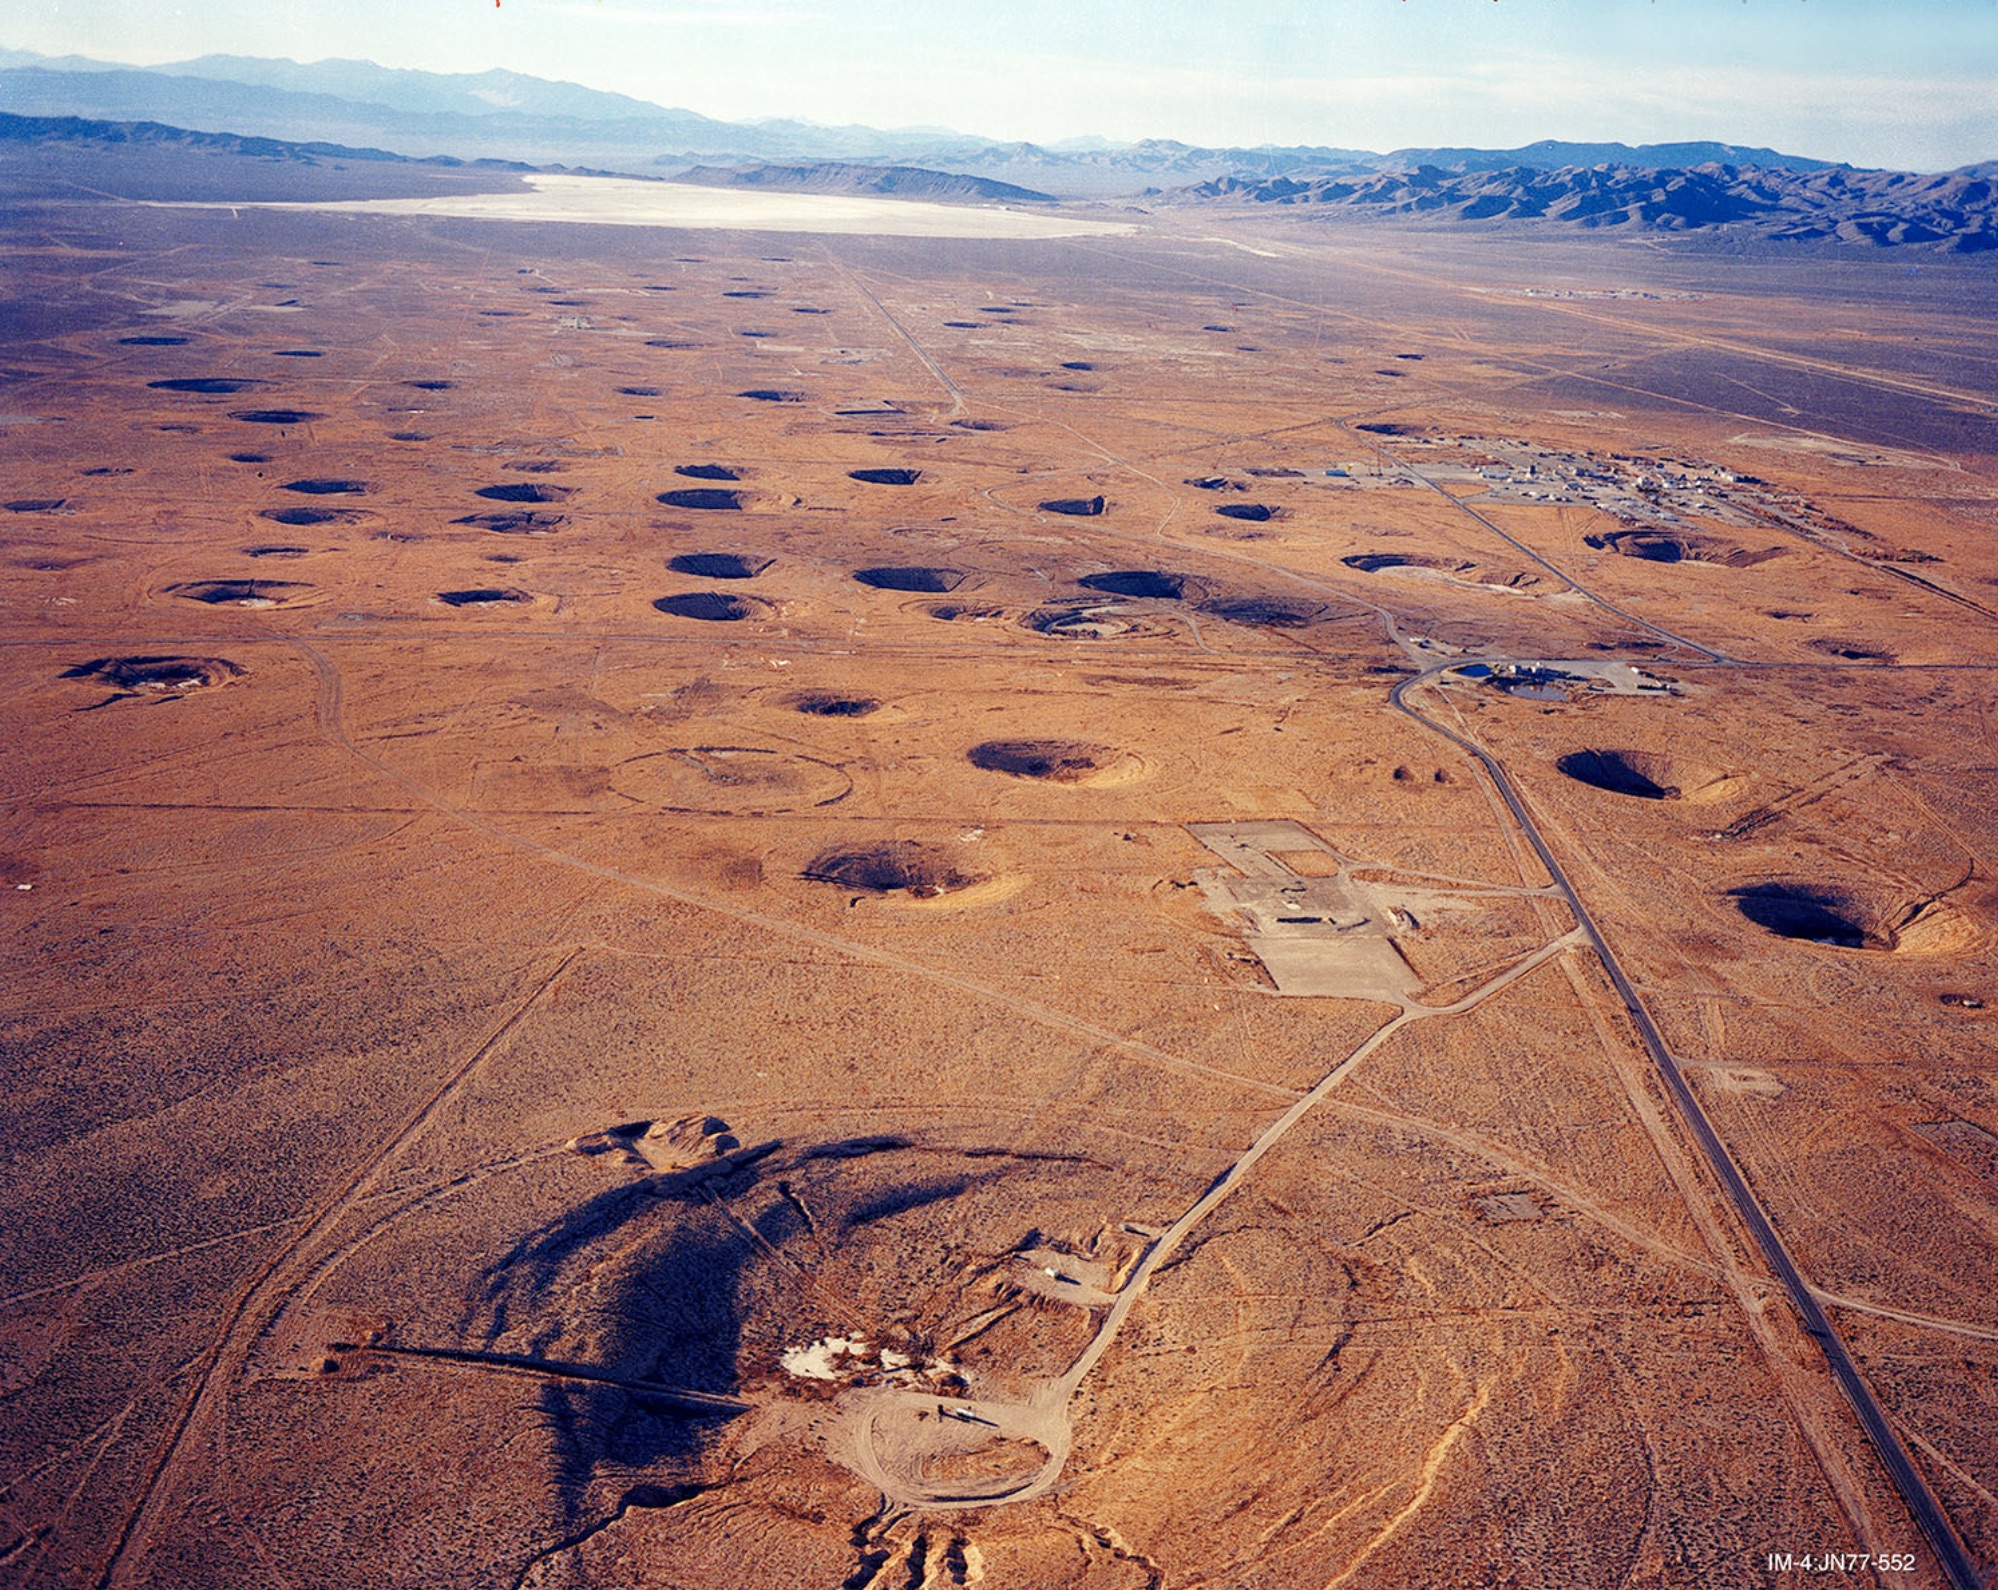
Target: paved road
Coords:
[(1921, 1501)]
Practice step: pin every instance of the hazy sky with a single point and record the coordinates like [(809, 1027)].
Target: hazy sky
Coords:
[(1909, 83)]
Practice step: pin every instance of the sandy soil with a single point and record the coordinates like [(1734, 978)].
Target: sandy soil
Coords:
[(479, 994)]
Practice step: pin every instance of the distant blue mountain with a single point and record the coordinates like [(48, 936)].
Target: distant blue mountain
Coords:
[(508, 115), (1550, 154)]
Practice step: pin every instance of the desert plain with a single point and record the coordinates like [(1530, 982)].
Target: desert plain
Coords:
[(1225, 901)]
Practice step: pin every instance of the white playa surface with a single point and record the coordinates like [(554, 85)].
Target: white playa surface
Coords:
[(622, 201)]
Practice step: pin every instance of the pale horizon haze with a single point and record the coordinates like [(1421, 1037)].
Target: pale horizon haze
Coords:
[(1912, 85)]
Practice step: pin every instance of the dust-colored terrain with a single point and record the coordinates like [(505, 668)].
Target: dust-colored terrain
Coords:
[(1241, 905)]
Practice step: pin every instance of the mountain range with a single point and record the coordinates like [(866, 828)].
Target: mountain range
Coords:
[(506, 115), (1956, 211), (355, 110)]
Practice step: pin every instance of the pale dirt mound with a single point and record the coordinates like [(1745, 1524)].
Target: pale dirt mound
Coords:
[(1854, 916), (1672, 546), (174, 674), (1936, 928), (1649, 775), (719, 565), (662, 1146), (896, 867)]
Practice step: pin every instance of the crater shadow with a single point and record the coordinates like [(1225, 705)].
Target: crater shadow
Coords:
[(205, 385), (670, 1268), (163, 674), (1667, 546), (488, 596), (516, 524), (1374, 562), (885, 477), (1057, 761), (719, 565), (712, 607), (525, 491), (1815, 914), (1155, 583), (297, 517), (327, 487), (1630, 773), (241, 593), (925, 579), (821, 704), (1266, 612), (706, 499), (689, 1279), (896, 867)]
